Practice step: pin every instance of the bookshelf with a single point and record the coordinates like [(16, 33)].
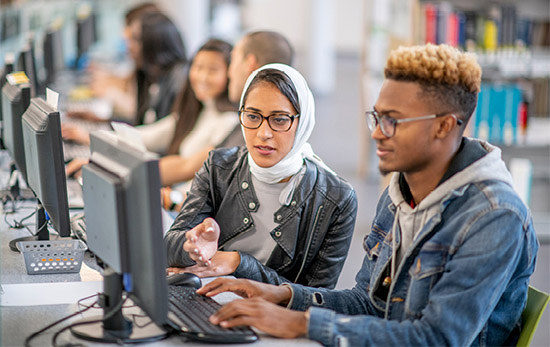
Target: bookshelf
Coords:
[(512, 42)]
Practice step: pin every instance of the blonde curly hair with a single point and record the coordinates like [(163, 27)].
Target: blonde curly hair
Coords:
[(450, 77)]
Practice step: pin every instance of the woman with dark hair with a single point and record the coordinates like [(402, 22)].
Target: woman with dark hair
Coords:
[(271, 211), (202, 117), (157, 50)]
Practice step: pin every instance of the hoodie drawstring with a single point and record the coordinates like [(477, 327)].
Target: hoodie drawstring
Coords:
[(393, 242)]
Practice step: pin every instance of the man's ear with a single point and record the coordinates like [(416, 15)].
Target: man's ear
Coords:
[(447, 124), (251, 62)]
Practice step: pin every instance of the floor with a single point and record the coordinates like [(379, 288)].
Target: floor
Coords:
[(339, 114)]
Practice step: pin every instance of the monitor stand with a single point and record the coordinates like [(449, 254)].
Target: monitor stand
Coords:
[(42, 232), (116, 328)]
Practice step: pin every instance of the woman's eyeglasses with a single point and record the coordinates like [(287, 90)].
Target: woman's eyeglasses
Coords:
[(277, 122), (388, 124)]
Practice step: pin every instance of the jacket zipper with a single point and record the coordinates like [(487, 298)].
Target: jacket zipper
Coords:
[(308, 242)]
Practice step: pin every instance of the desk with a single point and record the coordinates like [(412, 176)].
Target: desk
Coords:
[(20, 321)]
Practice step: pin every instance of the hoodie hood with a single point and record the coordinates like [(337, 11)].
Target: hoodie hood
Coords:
[(409, 221)]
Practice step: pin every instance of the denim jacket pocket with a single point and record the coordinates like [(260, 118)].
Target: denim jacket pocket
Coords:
[(427, 268), (373, 242)]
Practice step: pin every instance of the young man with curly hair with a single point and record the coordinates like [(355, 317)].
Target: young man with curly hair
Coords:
[(452, 246)]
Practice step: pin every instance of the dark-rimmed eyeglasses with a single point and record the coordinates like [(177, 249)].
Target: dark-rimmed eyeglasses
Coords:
[(388, 124), (280, 122)]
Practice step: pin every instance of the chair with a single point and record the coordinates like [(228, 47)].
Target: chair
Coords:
[(536, 303)]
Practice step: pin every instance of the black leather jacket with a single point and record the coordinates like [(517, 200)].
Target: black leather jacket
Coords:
[(314, 231)]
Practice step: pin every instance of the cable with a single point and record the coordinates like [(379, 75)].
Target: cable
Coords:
[(27, 217), (35, 334), (105, 317), (134, 319)]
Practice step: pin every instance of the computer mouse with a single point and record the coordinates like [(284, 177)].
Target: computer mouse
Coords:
[(184, 279)]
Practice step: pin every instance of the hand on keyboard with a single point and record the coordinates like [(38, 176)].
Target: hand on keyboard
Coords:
[(247, 289), (73, 168), (263, 315)]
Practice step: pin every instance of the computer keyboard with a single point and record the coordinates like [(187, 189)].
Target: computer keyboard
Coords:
[(194, 310), (73, 150)]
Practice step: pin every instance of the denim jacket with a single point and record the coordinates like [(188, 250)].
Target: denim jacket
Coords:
[(313, 233), (463, 281)]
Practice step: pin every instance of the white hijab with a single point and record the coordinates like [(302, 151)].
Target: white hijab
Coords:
[(292, 163)]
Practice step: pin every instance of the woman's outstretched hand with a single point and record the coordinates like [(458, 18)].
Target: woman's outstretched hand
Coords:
[(202, 241)]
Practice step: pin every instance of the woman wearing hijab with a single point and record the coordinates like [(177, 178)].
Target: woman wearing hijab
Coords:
[(271, 211)]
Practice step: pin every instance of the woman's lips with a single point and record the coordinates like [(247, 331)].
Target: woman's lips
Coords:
[(265, 150)]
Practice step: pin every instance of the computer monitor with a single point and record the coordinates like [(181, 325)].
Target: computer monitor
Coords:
[(15, 101), (6, 69), (124, 230), (27, 63), (53, 54), (86, 35), (45, 169)]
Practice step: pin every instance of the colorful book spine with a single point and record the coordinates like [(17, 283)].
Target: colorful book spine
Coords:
[(430, 13)]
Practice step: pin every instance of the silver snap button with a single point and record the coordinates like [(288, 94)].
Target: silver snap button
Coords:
[(293, 203), (279, 217), (245, 220), (278, 233), (244, 185), (251, 205)]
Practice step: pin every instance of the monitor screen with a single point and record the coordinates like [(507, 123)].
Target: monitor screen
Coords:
[(45, 165), (85, 34), (7, 69), (53, 54), (123, 218), (15, 101), (27, 63)]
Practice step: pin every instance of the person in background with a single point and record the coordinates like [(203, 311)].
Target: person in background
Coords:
[(271, 210), (252, 51), (121, 91), (255, 49), (202, 117), (452, 246), (157, 49)]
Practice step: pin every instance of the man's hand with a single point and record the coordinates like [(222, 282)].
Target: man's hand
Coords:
[(263, 315), (248, 289), (221, 264), (202, 241)]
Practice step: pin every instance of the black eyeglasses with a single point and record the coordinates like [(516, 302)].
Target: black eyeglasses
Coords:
[(280, 122), (388, 124)]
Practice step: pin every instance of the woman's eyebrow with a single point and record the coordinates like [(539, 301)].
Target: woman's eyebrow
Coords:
[(253, 109)]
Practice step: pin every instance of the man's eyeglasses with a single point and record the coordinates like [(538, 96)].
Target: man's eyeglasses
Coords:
[(388, 124), (280, 122)]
